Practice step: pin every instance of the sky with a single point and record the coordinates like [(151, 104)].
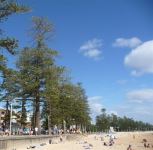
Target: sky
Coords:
[(106, 44)]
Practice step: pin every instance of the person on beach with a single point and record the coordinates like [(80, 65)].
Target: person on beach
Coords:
[(20, 131), (145, 145), (7, 132), (111, 140), (105, 144), (36, 130), (111, 143), (148, 146), (55, 130), (1, 132), (129, 147), (61, 138), (31, 132), (102, 139)]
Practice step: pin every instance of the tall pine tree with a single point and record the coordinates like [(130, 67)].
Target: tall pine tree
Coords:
[(33, 65)]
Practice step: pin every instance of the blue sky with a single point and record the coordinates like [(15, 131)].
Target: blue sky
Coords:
[(106, 44)]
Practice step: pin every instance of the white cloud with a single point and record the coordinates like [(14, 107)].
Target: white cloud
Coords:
[(95, 104), (131, 42), (92, 49), (113, 112), (143, 95), (141, 59), (138, 105)]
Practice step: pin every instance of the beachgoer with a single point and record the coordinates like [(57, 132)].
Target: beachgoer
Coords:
[(6, 132), (145, 145), (129, 147), (36, 130), (31, 132), (102, 139), (21, 131), (55, 130), (61, 138), (1, 132), (148, 146), (105, 144)]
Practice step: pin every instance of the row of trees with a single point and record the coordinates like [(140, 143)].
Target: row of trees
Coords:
[(104, 121), (38, 85)]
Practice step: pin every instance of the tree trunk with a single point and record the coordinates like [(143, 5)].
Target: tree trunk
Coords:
[(7, 116), (37, 113), (33, 119), (49, 120), (49, 124), (24, 115)]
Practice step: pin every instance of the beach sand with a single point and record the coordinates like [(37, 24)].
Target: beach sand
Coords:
[(93, 142)]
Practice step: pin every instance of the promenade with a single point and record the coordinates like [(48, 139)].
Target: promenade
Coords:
[(25, 141)]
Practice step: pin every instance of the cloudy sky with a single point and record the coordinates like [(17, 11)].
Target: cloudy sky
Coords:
[(107, 45)]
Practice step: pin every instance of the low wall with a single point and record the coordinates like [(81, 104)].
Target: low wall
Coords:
[(24, 142)]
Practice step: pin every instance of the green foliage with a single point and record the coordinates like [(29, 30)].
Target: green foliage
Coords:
[(23, 113), (9, 44), (66, 103), (41, 30), (9, 90), (10, 85), (37, 68), (102, 121), (8, 8), (73, 104), (39, 79)]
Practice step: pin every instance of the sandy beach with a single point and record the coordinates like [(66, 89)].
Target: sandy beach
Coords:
[(83, 142)]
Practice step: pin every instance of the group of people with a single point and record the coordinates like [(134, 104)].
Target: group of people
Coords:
[(147, 145), (19, 131), (58, 131), (111, 141), (4, 132)]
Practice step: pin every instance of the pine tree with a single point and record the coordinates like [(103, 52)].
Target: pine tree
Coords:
[(8, 8), (9, 89), (51, 95), (74, 107), (34, 63)]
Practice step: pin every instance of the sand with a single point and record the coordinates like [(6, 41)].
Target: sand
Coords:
[(93, 142)]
